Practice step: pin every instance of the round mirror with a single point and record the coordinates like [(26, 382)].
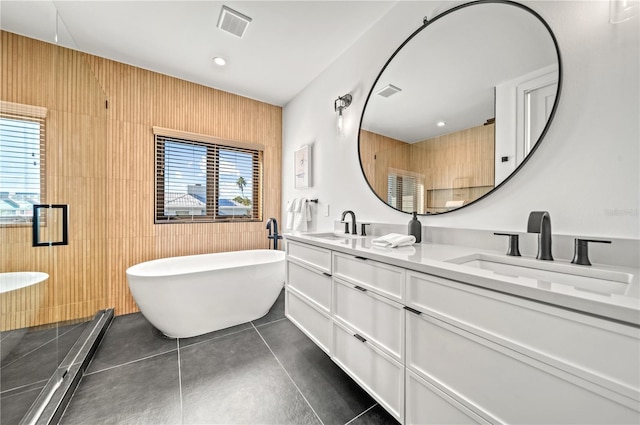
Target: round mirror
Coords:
[(459, 107)]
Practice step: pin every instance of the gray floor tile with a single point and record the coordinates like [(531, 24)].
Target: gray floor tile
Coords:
[(334, 396), (30, 357), (185, 342), (146, 392), (276, 312), (14, 406), (36, 366), (130, 337), (375, 416), (20, 342), (236, 380)]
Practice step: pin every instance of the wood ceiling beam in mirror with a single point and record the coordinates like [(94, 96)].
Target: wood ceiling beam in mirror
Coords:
[(490, 71)]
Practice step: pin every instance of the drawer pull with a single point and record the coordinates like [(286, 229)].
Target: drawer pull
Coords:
[(360, 338), (360, 258), (413, 310), (360, 288), (326, 274)]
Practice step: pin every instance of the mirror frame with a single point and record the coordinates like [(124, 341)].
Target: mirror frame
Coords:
[(426, 23)]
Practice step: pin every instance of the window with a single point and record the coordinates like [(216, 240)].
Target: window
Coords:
[(405, 192), (22, 139), (204, 179)]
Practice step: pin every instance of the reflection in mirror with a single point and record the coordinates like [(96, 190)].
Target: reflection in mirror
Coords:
[(459, 107)]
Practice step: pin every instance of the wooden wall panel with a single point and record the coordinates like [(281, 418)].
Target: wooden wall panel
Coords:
[(59, 80), (101, 162), (140, 99), (455, 166), (466, 155), (379, 154)]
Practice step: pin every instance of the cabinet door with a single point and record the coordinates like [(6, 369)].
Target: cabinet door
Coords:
[(309, 318), (504, 384), (310, 255), (381, 278), (376, 372), (427, 405), (376, 318), (583, 345), (313, 284)]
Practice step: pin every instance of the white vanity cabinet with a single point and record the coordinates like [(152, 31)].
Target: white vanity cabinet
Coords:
[(308, 292), (436, 351), (371, 367), (372, 316), (510, 360), (368, 331), (426, 404), (384, 279)]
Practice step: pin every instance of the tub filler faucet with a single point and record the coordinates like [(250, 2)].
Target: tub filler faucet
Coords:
[(272, 223)]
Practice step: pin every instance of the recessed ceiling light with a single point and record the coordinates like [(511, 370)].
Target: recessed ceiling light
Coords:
[(219, 61), (441, 124)]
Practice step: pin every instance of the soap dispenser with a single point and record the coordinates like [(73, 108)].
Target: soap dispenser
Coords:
[(415, 228)]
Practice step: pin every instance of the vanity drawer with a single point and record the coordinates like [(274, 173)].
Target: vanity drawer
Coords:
[(319, 258), (426, 405), (508, 386), (310, 319), (382, 278), (599, 350), (376, 372), (312, 283), (376, 318)]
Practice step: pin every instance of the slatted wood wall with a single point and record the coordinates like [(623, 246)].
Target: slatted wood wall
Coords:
[(378, 154), (455, 166), (101, 162)]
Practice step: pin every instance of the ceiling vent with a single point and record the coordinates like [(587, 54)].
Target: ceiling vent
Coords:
[(388, 90), (233, 22)]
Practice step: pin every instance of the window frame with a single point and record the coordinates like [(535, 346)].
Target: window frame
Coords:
[(213, 146), (37, 114), (417, 180)]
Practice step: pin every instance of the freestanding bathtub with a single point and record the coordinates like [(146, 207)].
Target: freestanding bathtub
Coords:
[(196, 294), (21, 294)]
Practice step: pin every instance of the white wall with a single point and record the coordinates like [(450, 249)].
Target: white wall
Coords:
[(586, 172)]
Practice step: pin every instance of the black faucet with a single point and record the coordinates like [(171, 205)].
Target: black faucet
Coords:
[(275, 236), (346, 224), (540, 222)]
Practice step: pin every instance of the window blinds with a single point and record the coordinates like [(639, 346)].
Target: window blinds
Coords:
[(22, 161), (206, 180)]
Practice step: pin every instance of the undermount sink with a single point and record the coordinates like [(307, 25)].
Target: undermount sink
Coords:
[(333, 236), (589, 279)]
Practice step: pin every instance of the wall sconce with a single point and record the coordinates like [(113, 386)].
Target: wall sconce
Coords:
[(340, 104), (622, 10)]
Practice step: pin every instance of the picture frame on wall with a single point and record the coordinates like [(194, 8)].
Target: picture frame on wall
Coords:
[(302, 167)]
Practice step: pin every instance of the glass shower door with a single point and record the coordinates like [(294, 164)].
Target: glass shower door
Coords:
[(62, 285)]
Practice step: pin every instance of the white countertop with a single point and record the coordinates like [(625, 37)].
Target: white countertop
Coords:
[(436, 259)]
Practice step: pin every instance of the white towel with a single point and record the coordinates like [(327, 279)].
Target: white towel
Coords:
[(393, 240), (302, 216), (291, 208)]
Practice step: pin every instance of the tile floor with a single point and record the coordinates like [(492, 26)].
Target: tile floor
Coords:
[(28, 358), (263, 372)]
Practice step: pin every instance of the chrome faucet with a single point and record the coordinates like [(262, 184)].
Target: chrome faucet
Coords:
[(275, 236), (346, 224), (540, 222)]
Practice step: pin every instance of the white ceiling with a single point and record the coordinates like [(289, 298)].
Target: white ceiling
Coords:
[(287, 45), (448, 72)]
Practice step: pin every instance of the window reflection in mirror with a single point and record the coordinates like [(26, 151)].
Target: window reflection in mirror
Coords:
[(489, 73)]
